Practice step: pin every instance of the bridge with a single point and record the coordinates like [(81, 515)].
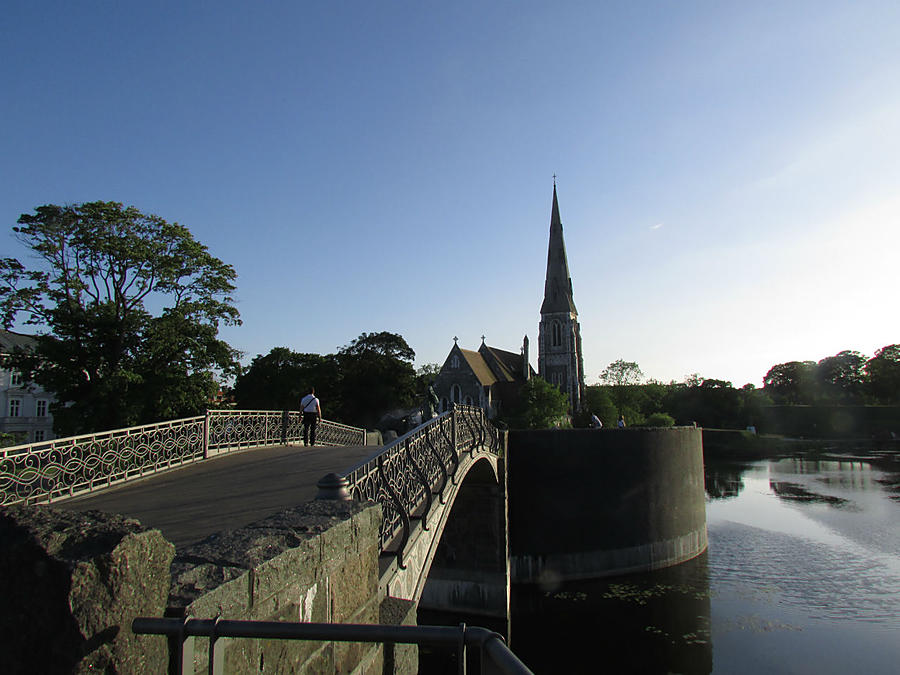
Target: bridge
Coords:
[(228, 469)]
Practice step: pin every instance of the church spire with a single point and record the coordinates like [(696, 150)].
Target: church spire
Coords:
[(558, 283)]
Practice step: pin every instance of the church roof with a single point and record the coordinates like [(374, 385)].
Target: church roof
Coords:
[(558, 282), (479, 366), (506, 365)]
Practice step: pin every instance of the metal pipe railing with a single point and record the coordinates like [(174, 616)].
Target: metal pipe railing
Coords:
[(496, 656)]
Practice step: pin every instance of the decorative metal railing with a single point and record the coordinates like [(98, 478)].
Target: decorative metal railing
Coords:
[(64, 467), (407, 474)]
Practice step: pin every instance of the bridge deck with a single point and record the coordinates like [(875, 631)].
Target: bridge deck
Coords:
[(222, 493)]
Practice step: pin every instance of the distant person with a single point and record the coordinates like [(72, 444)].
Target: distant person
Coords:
[(621, 422), (595, 422), (312, 413)]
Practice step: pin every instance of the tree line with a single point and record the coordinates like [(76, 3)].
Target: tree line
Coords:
[(847, 378)]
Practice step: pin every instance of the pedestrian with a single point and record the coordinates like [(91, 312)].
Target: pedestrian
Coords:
[(621, 422), (595, 421), (312, 413)]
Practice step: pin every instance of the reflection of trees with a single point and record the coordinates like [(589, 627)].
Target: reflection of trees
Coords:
[(723, 481), (792, 492)]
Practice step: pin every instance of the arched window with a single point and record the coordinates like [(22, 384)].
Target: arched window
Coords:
[(555, 334), (455, 394), (454, 362)]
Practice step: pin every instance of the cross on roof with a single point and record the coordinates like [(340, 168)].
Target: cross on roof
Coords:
[(455, 339)]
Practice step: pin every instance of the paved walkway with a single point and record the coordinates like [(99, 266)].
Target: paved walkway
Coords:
[(225, 492)]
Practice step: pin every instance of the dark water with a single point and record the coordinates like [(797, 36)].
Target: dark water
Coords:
[(802, 576)]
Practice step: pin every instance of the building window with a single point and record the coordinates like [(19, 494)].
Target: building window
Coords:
[(455, 394), (556, 334), (38, 435), (454, 362), (15, 378), (41, 410), (15, 407)]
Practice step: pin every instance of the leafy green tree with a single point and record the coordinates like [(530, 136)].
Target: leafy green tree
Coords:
[(110, 361), (622, 378), (659, 419), (793, 382), (541, 405), (883, 375), (279, 379), (841, 378), (377, 376), (599, 403)]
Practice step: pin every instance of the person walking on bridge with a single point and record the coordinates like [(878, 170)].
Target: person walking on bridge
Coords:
[(312, 414)]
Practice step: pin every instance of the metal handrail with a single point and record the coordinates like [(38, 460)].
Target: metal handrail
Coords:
[(405, 473), (65, 467), (495, 653)]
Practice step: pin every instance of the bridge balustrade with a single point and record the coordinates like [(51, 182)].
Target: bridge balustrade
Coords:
[(65, 467), (406, 475)]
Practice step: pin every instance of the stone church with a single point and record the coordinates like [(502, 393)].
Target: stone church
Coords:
[(491, 378)]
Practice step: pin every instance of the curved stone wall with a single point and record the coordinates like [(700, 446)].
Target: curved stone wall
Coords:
[(587, 503)]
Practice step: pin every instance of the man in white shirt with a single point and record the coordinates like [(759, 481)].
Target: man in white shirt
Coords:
[(312, 413)]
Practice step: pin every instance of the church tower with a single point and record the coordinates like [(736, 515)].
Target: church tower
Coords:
[(560, 360)]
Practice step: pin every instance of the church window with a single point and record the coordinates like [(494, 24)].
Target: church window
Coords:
[(454, 362), (455, 394), (556, 334)]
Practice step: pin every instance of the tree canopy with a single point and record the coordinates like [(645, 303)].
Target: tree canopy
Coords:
[(110, 360), (540, 405), (357, 385)]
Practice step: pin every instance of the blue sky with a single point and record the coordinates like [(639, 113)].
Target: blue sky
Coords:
[(728, 172)]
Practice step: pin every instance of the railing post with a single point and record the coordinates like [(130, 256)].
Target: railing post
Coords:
[(206, 435), (285, 421), (453, 430)]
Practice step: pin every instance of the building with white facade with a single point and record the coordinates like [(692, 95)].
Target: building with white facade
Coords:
[(25, 411)]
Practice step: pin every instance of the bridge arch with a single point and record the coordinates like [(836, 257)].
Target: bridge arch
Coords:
[(417, 479)]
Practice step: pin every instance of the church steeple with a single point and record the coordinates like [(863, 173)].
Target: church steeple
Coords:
[(560, 360), (558, 282)]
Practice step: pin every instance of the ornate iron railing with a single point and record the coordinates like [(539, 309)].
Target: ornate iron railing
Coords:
[(64, 467), (407, 474)]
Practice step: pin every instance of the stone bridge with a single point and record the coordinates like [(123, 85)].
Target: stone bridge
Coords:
[(254, 499)]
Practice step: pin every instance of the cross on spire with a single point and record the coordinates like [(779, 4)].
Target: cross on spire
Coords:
[(455, 339), (482, 339), (554, 180)]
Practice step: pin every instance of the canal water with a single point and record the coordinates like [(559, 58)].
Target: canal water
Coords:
[(802, 575)]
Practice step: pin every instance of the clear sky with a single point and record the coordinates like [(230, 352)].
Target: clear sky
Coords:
[(728, 172)]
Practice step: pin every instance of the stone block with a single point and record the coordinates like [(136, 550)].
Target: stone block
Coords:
[(71, 583)]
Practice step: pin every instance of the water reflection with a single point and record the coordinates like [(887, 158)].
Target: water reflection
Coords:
[(657, 622), (723, 481), (798, 493)]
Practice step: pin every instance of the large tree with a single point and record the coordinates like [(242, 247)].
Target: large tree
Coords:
[(540, 405), (127, 307), (623, 377), (377, 376), (883, 374), (841, 377), (793, 382), (279, 379)]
